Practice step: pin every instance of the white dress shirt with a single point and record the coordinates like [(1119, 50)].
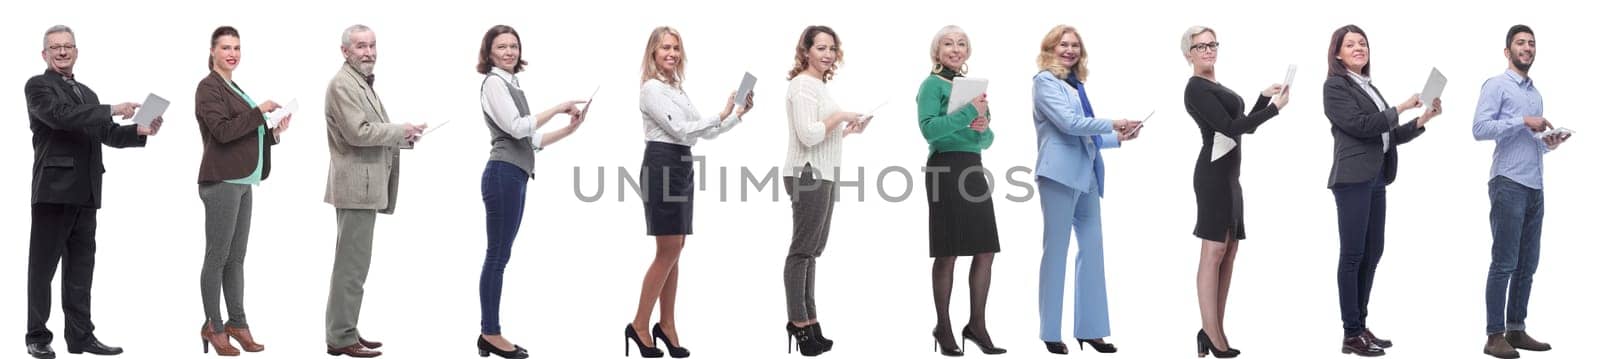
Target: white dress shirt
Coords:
[(497, 102), (670, 117)]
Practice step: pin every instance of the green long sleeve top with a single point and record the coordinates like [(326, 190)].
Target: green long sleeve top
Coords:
[(948, 133)]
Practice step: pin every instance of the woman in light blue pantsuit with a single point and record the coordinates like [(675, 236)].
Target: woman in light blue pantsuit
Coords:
[(1071, 179)]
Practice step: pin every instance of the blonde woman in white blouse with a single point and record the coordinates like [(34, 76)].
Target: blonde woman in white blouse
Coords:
[(810, 176), (671, 127)]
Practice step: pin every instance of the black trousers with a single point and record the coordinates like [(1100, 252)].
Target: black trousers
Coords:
[(1362, 211), (61, 234)]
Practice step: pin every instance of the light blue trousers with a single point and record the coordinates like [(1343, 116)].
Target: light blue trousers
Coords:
[(1066, 210)]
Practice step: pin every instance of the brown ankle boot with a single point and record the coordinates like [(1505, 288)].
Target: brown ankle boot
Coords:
[(246, 342), (1520, 340), (219, 340), (1499, 348)]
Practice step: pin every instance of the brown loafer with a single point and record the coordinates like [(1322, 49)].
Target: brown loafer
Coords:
[(1359, 345), (369, 344), (1381, 343), (1499, 348), (246, 342), (354, 351), (1520, 340)]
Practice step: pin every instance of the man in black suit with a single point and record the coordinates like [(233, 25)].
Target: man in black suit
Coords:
[(69, 126)]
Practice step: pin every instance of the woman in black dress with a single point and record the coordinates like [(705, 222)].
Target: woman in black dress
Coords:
[(1219, 201)]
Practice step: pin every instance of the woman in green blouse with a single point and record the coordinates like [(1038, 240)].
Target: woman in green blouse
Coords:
[(960, 210)]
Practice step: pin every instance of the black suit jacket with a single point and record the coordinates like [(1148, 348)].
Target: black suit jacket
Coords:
[(68, 130), (1358, 127)]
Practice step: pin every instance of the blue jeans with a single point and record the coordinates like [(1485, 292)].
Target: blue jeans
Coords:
[(1362, 208), (1065, 211), (1516, 215), (505, 192)]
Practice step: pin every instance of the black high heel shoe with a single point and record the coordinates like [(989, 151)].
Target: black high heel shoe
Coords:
[(1099, 344), (672, 350), (805, 339), (827, 344), (985, 347), (1203, 342), (516, 352), (945, 349), (628, 334), (1056, 347)]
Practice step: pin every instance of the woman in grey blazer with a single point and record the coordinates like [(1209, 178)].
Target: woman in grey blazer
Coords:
[(1366, 133)]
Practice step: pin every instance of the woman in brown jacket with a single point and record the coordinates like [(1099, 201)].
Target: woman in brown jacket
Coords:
[(237, 138)]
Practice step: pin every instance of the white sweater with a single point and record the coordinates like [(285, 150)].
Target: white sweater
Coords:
[(810, 141), (670, 117)]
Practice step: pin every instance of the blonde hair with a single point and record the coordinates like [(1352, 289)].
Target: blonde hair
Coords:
[(1188, 39), (933, 48), (1048, 61), (648, 68)]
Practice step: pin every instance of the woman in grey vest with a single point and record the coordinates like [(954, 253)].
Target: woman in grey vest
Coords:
[(514, 137), (671, 127)]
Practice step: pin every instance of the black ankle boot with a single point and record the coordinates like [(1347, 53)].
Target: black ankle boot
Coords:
[(806, 339)]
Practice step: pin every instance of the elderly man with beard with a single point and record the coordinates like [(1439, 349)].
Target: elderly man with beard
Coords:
[(363, 179)]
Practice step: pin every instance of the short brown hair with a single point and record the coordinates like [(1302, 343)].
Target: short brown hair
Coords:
[(808, 38), (485, 63)]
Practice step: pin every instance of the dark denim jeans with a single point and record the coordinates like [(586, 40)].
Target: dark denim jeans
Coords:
[(505, 192), (1516, 214)]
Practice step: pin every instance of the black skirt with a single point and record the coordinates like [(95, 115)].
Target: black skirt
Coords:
[(957, 225), (667, 178)]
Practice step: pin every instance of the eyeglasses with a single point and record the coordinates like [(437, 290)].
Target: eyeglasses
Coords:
[(1208, 46), (63, 47)]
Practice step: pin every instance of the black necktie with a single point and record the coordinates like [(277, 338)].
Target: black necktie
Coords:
[(75, 89), (370, 79)]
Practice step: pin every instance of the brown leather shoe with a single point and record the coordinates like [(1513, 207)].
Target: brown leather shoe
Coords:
[(1382, 343), (246, 342), (354, 351), (1359, 345), (219, 340), (369, 344), (1499, 348), (1520, 340)]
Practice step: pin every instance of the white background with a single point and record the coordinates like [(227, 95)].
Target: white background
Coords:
[(576, 270)]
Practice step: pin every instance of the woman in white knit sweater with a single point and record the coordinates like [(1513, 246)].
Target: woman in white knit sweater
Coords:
[(810, 173)]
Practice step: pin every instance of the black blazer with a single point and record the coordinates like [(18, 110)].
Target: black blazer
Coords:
[(1358, 127), (67, 133)]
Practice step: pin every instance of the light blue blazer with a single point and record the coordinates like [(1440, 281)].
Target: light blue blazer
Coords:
[(1067, 152)]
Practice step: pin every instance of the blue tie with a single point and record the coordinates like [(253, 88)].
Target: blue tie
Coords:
[(1088, 111)]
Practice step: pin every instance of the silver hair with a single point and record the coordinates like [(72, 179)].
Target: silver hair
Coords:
[(933, 49), (1188, 38), (55, 30), (344, 39)]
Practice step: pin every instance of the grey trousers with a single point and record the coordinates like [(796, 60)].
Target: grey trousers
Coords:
[(350, 262), (812, 202), (227, 208)]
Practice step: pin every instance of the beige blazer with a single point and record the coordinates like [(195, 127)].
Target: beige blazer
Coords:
[(363, 147)]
